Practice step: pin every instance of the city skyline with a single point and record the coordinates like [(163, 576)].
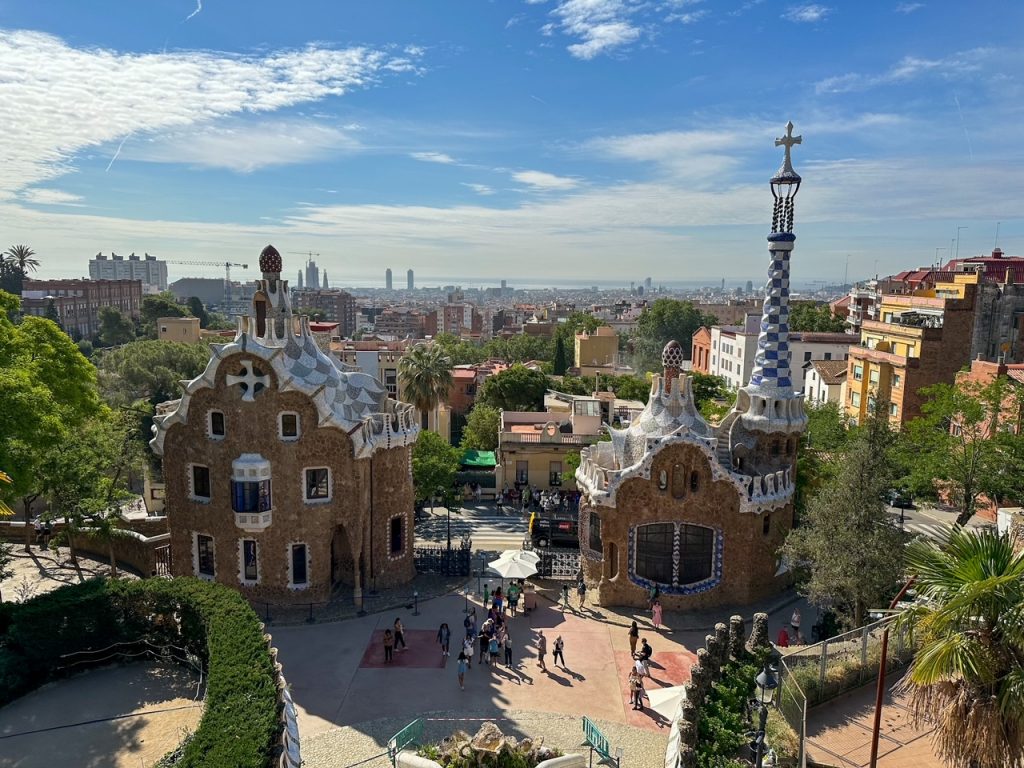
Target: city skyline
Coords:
[(554, 139)]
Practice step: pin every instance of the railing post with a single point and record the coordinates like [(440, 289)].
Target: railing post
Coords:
[(863, 653), (822, 669)]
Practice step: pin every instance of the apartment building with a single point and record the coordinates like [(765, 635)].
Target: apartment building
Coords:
[(337, 306), (78, 302), (149, 269)]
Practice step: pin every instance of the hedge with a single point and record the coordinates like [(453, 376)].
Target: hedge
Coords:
[(241, 719)]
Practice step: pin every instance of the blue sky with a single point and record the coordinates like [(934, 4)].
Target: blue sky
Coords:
[(590, 139)]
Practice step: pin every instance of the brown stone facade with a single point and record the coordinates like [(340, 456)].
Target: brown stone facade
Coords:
[(682, 490), (348, 534)]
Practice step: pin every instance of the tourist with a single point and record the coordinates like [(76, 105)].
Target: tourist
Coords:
[(565, 597), (652, 596), (559, 647), (643, 658), (487, 594), (463, 666), (470, 624), (467, 651), (507, 643), (399, 634), (782, 641), (444, 637), (485, 639), (498, 601), (492, 650), (513, 598), (794, 624), (634, 638), (656, 615), (636, 690), (389, 645), (581, 591), (542, 650)]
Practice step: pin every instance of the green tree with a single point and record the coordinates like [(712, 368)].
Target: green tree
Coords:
[(156, 306), (515, 389), (576, 322), (954, 445), (148, 369), (481, 430), (848, 552), (574, 385), (11, 278), (632, 387), (17, 262), (560, 363), (661, 322), (826, 427), (967, 677), (814, 317), (425, 375), (572, 463), (458, 351), (115, 328), (6, 563), (107, 528), (51, 313), (434, 464), (195, 306)]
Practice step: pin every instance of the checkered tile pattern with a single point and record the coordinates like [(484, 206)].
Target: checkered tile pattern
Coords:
[(772, 361)]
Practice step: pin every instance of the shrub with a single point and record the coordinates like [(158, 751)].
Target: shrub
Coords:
[(240, 721), (724, 723)]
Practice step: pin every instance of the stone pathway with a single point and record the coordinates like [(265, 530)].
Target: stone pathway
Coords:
[(115, 717)]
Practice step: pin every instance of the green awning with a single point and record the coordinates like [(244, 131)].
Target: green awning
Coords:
[(479, 459)]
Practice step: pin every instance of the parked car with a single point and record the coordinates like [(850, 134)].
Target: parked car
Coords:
[(558, 529), (900, 498)]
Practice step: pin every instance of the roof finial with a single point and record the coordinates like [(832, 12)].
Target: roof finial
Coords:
[(788, 141)]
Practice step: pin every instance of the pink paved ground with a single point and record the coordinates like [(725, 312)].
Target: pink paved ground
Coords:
[(338, 676)]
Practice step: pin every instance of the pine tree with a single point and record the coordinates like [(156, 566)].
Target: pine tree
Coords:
[(560, 364), (51, 313)]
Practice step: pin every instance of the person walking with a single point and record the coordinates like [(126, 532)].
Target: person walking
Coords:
[(444, 637), (581, 592), (467, 651), (389, 646), (559, 647), (493, 646), (485, 639), (399, 634), (565, 597), (634, 638), (508, 650), (542, 650), (463, 665), (635, 689), (513, 598), (487, 595), (656, 615), (470, 623)]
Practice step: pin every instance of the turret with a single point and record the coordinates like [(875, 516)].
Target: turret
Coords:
[(271, 301)]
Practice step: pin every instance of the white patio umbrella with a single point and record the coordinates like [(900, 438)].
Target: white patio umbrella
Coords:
[(512, 567), (523, 554), (666, 701)]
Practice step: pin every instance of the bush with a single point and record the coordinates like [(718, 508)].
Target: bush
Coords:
[(240, 722), (724, 723)]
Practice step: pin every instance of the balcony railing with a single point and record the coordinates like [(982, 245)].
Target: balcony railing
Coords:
[(538, 438)]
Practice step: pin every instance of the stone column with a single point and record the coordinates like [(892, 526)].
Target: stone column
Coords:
[(714, 658), (759, 633), (722, 638), (737, 636)]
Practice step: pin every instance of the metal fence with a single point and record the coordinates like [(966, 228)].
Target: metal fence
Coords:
[(792, 703), (558, 563), (448, 562), (411, 735), (827, 669)]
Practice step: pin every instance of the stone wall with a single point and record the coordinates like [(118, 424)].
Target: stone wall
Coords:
[(135, 551), (745, 547)]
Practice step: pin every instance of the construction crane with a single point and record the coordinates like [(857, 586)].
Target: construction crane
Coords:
[(227, 273), (309, 257)]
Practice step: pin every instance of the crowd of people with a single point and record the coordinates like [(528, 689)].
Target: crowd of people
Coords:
[(528, 498)]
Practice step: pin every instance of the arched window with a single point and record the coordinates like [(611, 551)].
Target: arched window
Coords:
[(696, 552), (678, 481), (674, 554), (663, 480), (694, 482), (654, 552)]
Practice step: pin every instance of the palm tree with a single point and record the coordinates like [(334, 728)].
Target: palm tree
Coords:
[(21, 256), (425, 373), (967, 677)]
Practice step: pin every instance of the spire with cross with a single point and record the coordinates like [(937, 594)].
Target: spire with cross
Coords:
[(788, 141)]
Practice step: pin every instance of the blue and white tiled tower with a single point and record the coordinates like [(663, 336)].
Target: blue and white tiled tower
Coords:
[(769, 401)]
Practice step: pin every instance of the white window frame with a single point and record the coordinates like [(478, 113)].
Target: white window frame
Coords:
[(209, 424), (330, 487), (192, 484), (241, 563), (291, 575), (195, 555), (280, 426)]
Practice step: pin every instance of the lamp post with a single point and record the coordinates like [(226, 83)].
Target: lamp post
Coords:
[(880, 687), (766, 683)]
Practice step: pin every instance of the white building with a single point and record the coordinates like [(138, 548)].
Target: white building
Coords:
[(824, 381), (733, 348), (150, 270)]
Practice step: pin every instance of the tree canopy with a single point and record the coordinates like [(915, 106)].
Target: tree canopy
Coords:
[(661, 322), (811, 317), (115, 327), (434, 464), (156, 306), (515, 389), (481, 430), (149, 370), (425, 373)]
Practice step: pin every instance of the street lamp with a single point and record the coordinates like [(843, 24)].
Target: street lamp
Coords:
[(766, 682)]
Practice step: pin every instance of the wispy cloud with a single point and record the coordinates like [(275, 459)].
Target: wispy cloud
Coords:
[(544, 181), (906, 69), (689, 17), (244, 147), (600, 25), (909, 7), (41, 196), (122, 94), (199, 7), (480, 189), (432, 157), (806, 14)]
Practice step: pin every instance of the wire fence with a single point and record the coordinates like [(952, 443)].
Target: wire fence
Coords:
[(827, 669), (792, 704)]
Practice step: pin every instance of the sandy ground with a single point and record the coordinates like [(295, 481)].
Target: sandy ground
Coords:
[(42, 571), (120, 716)]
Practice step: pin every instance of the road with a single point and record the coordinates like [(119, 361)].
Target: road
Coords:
[(931, 522), (489, 529)]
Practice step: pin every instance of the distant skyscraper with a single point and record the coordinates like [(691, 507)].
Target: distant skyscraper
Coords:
[(410, 282), (312, 276), (150, 270), (300, 280), (387, 278), (647, 284), (723, 283), (325, 285), (504, 284), (750, 286)]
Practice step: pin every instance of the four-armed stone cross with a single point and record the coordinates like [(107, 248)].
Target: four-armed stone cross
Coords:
[(788, 141)]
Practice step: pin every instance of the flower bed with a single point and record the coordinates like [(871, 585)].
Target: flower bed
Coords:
[(241, 720)]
